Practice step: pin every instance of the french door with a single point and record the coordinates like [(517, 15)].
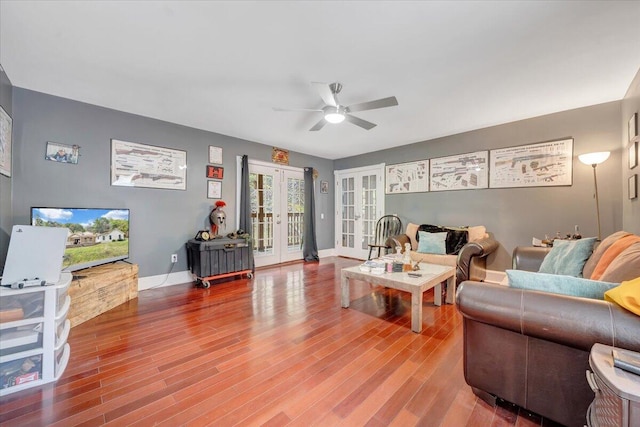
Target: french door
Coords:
[(359, 204), (277, 210)]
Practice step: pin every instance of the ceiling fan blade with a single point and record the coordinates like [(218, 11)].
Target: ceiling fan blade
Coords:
[(372, 105), (326, 94), (359, 122), (319, 125), (295, 109)]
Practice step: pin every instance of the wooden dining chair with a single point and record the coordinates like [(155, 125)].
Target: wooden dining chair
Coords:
[(386, 226)]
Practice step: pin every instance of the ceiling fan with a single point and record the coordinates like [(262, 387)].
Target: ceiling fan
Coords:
[(336, 113)]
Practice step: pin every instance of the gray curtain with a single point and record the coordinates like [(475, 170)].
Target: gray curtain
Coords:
[(245, 203), (309, 246)]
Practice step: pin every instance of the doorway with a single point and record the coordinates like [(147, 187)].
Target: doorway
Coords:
[(359, 204), (277, 211)]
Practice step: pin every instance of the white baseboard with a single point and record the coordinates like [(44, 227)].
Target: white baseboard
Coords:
[(327, 252), (162, 280)]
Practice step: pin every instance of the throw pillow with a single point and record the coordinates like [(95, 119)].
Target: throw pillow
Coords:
[(558, 284), (412, 231), (432, 243), (456, 237), (610, 254), (627, 295), (626, 266), (567, 257), (590, 265)]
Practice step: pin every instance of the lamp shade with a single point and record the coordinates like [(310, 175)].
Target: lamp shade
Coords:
[(594, 158)]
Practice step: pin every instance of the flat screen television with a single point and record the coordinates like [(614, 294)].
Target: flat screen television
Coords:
[(94, 235)]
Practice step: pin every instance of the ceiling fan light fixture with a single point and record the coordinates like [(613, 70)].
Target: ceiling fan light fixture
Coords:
[(334, 117), (334, 114)]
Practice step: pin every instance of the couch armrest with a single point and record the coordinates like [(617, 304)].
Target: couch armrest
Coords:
[(477, 249), (528, 258), (398, 240), (566, 320)]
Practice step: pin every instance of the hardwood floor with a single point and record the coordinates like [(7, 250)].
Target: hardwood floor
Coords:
[(276, 350)]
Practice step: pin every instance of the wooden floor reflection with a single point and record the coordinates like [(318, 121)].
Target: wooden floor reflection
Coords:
[(275, 350)]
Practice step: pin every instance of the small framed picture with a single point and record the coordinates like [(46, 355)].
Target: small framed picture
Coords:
[(214, 189), (216, 172), (633, 127), (280, 156), (215, 155), (633, 155), (633, 186), (62, 153), (324, 187)]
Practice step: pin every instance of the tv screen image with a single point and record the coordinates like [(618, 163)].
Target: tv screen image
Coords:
[(94, 235)]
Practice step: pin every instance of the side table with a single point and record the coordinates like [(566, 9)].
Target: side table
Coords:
[(617, 399)]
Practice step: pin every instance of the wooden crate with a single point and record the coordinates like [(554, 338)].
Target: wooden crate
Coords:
[(99, 289)]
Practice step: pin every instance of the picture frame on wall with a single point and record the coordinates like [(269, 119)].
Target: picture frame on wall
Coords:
[(468, 171), (633, 154), (541, 164), (633, 186), (214, 189), (280, 156), (142, 165), (215, 155), (324, 187), (410, 177), (6, 124), (633, 127), (62, 153)]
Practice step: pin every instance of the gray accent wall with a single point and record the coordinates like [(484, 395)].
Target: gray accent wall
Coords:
[(6, 96), (630, 208), (161, 220), (513, 216)]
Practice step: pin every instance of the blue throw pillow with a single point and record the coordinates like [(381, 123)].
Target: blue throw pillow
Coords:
[(557, 284), (568, 257), (432, 243)]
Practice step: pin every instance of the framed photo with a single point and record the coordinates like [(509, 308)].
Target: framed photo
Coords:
[(461, 172), (633, 186), (215, 155), (633, 155), (324, 187), (6, 124), (214, 189), (633, 127), (534, 165), (142, 165), (280, 156), (62, 153), (412, 177), (216, 172)]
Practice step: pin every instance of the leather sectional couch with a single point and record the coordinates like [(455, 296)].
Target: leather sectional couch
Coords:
[(532, 348)]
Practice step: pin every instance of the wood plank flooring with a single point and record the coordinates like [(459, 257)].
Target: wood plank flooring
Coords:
[(272, 351)]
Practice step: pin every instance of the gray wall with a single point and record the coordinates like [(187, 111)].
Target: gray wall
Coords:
[(630, 208), (161, 220), (6, 96), (516, 215)]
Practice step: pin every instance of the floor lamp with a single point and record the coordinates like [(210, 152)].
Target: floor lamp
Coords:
[(594, 159)]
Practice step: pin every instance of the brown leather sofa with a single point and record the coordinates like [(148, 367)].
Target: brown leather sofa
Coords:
[(532, 348), (470, 262)]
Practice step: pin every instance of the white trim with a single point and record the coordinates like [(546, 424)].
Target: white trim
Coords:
[(376, 166), (163, 280), (324, 253)]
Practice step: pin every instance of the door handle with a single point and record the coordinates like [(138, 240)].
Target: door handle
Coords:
[(357, 217)]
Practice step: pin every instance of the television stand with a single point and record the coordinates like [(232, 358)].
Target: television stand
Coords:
[(98, 289)]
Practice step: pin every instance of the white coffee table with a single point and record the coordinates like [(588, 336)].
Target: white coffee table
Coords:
[(432, 276)]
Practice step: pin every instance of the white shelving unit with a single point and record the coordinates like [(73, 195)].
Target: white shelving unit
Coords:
[(33, 335)]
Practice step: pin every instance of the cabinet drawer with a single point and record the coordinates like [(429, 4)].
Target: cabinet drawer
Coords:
[(20, 339), (22, 306), (21, 371)]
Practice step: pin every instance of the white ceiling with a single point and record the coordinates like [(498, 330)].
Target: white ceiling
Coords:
[(222, 66)]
